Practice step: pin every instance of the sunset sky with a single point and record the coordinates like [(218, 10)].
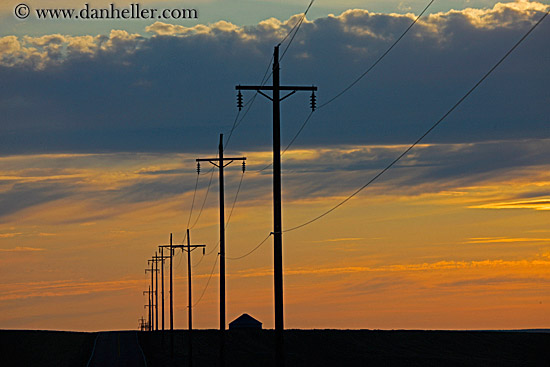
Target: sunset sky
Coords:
[(101, 123)]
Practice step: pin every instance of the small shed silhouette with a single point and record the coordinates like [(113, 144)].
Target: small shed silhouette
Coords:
[(245, 321)]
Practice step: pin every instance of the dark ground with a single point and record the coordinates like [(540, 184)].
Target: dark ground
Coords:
[(354, 348), (303, 348), (117, 349), (34, 348)]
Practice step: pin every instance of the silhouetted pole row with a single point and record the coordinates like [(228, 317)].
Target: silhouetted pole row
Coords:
[(276, 88), (220, 163)]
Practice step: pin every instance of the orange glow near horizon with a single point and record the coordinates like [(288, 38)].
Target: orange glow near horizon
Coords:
[(429, 255)]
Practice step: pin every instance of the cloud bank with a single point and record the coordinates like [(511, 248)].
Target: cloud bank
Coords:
[(174, 90)]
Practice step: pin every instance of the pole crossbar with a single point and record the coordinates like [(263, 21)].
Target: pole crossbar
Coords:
[(280, 87)]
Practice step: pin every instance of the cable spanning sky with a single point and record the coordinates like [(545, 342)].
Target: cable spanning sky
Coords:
[(103, 121)]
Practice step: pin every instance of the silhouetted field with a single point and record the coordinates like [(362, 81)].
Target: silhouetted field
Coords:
[(303, 348), (45, 348), (354, 348)]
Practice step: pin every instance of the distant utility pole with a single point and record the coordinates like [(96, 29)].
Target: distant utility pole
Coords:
[(156, 259), (155, 287), (276, 88), (142, 324), (190, 248), (149, 294), (151, 291), (220, 163), (161, 259), (171, 249)]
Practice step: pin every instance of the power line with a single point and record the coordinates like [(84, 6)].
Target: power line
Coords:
[(205, 197), (226, 222), (251, 251), (297, 23), (427, 132), (193, 201), (234, 201), (208, 281), (297, 26), (266, 76), (352, 84), (248, 106), (379, 59)]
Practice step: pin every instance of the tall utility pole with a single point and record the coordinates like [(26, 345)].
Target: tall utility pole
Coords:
[(220, 163), (276, 88), (151, 292)]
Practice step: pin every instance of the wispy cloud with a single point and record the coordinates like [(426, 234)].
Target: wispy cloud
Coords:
[(396, 268), (505, 240), (538, 204), (342, 239), (21, 249), (10, 235), (63, 288)]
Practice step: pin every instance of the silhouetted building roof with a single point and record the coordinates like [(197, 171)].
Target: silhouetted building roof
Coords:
[(245, 321)]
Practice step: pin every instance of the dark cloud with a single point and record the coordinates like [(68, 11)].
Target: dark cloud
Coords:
[(174, 91), (25, 195), (149, 190), (428, 168)]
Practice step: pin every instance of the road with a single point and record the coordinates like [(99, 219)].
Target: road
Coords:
[(117, 349)]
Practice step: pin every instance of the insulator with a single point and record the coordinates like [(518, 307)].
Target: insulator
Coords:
[(240, 100), (198, 168), (244, 166), (313, 102)]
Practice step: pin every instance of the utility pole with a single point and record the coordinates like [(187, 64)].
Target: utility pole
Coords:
[(190, 299), (152, 323), (149, 305), (142, 324), (276, 88), (220, 163), (161, 259), (171, 249), (156, 259), (188, 248)]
